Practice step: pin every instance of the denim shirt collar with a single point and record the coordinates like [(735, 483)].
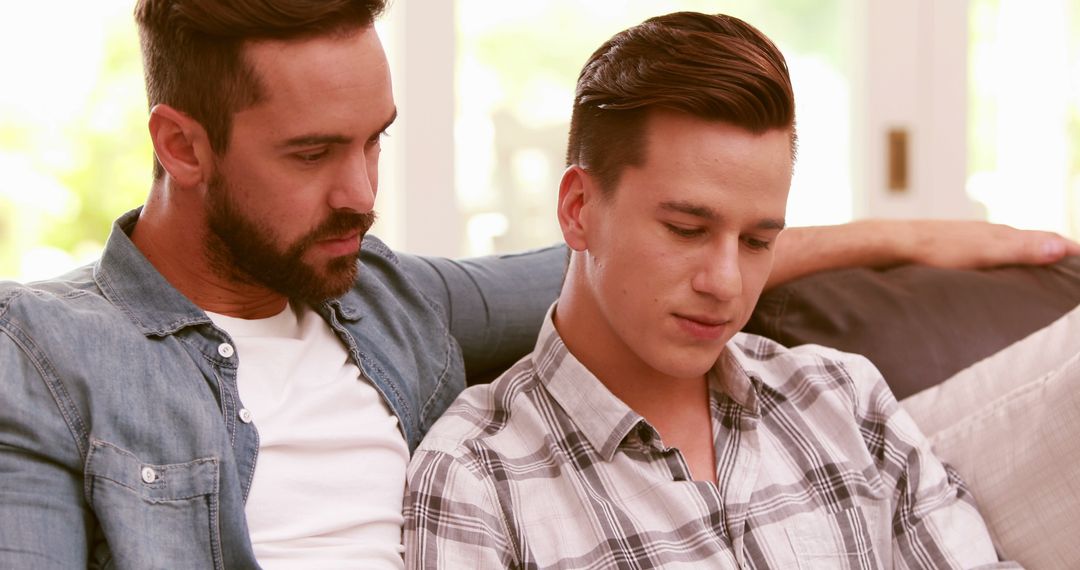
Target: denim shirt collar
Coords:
[(157, 308)]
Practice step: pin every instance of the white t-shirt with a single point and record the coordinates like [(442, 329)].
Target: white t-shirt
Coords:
[(330, 476)]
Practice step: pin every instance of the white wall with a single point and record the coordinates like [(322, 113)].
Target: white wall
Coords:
[(417, 200), (913, 76)]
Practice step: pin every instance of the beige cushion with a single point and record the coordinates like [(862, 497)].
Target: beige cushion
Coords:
[(1010, 424)]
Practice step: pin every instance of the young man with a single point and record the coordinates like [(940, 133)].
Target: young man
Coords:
[(644, 430), (241, 378)]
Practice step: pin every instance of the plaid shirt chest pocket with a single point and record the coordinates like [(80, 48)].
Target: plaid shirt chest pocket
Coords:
[(621, 519), (847, 539)]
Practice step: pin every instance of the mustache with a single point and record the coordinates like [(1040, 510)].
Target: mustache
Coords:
[(341, 223)]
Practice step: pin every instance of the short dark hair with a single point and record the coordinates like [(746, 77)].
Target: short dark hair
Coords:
[(193, 50), (716, 67)]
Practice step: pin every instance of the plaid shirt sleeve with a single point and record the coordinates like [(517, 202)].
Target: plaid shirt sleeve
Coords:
[(935, 522), (451, 520)]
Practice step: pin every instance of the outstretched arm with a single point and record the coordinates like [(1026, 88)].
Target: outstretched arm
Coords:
[(938, 243), (494, 305)]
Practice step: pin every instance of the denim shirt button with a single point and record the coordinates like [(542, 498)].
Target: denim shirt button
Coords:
[(245, 415), (225, 349), (149, 475)]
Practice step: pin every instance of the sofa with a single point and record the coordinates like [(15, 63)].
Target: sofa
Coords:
[(987, 362)]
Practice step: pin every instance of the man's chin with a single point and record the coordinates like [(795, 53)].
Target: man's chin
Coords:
[(330, 280), (337, 284), (340, 275), (690, 362)]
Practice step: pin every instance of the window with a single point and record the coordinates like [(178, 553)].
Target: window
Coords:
[(987, 89), (517, 64), (74, 153), (1024, 130)]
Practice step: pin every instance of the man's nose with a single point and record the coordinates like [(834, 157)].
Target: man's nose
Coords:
[(356, 186), (719, 274)]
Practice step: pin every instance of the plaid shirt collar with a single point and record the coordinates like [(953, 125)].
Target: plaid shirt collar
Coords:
[(604, 419)]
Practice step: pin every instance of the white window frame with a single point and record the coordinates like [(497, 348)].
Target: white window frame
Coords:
[(911, 74)]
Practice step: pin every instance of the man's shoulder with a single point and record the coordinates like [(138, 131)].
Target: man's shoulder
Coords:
[(762, 349), (67, 293), (483, 415), (383, 276), (66, 311), (373, 246), (777, 366)]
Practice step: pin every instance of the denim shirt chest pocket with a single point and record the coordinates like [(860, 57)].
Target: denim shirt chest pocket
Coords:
[(168, 514)]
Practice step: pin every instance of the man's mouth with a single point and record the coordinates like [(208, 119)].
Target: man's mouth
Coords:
[(704, 327), (345, 244), (340, 234)]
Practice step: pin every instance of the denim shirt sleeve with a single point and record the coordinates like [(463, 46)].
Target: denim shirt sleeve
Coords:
[(493, 305), (44, 520)]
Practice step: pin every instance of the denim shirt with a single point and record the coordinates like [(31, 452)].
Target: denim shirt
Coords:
[(122, 438)]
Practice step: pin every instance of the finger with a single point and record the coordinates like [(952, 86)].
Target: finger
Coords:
[(1050, 247)]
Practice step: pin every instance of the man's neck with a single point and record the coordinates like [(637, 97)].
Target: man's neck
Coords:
[(678, 408), (679, 411), (173, 244)]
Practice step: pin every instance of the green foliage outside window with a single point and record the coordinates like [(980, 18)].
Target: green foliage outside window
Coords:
[(63, 184)]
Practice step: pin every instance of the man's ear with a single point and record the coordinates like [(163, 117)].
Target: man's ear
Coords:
[(181, 145), (576, 192)]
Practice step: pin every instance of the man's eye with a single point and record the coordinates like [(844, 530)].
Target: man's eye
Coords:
[(757, 244), (312, 156), (685, 231), (377, 138)]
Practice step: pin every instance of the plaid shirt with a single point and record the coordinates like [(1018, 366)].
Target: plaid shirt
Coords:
[(817, 467)]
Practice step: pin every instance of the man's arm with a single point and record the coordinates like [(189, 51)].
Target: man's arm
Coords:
[(450, 518), (937, 243), (44, 520), (935, 523), (494, 305)]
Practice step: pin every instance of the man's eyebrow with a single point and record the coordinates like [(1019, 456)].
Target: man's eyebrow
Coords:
[(710, 214), (771, 224), (315, 140), (691, 208), (320, 138)]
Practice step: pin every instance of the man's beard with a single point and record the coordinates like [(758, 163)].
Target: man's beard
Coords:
[(243, 250)]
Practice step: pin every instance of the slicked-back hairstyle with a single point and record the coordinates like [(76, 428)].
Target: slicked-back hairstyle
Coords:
[(193, 50), (715, 67)]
